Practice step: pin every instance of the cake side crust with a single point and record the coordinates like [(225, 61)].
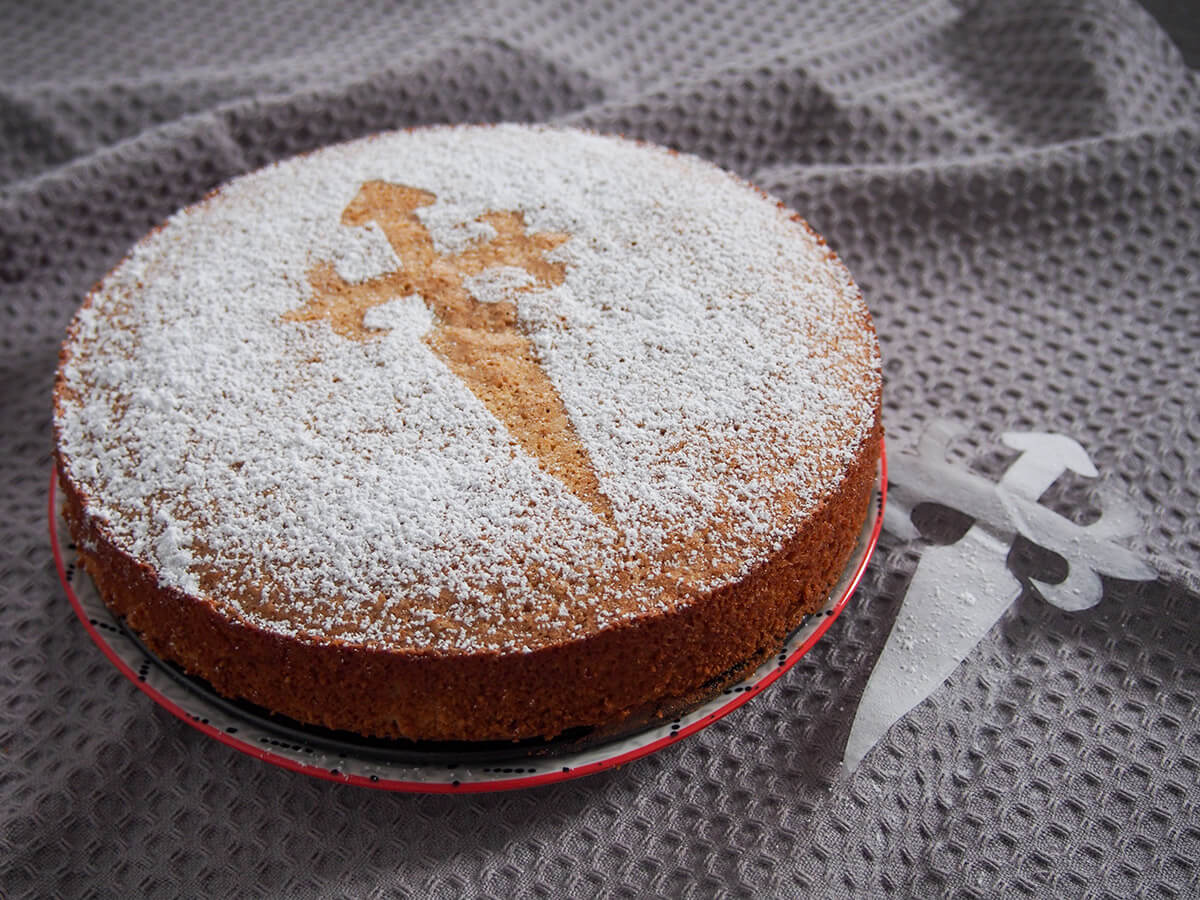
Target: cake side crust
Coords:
[(634, 671)]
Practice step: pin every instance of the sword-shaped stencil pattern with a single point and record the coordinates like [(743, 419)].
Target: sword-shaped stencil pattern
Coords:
[(480, 342), (959, 591)]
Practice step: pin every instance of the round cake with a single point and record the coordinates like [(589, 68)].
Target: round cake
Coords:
[(471, 433)]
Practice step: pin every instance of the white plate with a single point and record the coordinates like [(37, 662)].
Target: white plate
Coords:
[(422, 767)]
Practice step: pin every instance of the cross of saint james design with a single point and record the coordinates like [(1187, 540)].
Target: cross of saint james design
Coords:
[(480, 342)]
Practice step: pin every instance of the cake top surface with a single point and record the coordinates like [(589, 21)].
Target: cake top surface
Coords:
[(466, 389)]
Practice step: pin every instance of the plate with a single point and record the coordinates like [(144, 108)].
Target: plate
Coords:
[(424, 766)]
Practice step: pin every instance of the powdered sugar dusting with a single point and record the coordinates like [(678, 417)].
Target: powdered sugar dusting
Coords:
[(455, 226), (357, 254), (713, 361), (499, 284)]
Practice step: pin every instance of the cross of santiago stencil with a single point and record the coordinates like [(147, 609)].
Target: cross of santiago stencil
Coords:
[(480, 342)]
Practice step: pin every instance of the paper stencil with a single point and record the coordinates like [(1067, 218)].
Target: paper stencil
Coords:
[(960, 590)]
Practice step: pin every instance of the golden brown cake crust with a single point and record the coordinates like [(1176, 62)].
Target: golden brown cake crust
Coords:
[(642, 560), (635, 670)]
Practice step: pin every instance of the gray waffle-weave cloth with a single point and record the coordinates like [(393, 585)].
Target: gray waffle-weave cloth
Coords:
[(1015, 186)]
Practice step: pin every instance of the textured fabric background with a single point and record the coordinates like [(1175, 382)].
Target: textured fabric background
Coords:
[(1016, 186)]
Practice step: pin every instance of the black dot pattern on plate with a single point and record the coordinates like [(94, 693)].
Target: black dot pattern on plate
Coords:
[(1014, 186)]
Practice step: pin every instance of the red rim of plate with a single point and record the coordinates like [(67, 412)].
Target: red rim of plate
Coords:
[(467, 787)]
